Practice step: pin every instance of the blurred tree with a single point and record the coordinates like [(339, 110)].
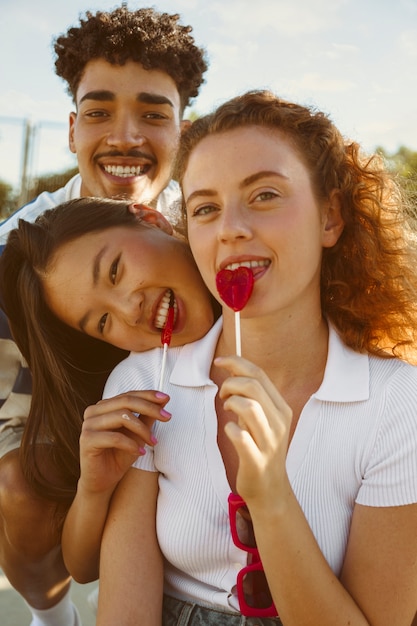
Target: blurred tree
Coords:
[(404, 163), (8, 200), (192, 115), (50, 182)]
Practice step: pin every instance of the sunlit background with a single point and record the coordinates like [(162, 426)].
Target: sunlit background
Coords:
[(355, 59)]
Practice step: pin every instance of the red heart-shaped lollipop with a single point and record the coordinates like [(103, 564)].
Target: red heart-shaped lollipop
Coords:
[(169, 325), (235, 287)]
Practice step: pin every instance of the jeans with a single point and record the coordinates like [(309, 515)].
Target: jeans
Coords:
[(180, 613)]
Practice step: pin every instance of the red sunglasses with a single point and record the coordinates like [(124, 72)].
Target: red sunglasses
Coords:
[(253, 593)]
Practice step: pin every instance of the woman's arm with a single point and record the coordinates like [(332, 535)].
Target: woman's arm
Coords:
[(131, 566), (112, 438), (378, 584)]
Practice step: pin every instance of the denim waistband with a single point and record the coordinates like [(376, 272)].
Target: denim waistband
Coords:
[(181, 613)]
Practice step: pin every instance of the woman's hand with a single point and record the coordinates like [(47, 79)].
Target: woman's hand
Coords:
[(113, 435), (260, 434)]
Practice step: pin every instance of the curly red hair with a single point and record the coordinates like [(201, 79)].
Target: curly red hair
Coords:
[(368, 279)]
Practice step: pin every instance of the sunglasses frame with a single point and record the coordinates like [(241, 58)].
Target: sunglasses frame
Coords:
[(235, 503)]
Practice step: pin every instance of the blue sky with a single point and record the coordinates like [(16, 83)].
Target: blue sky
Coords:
[(355, 59)]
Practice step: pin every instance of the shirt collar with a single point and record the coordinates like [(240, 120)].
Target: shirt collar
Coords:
[(192, 367), (346, 376)]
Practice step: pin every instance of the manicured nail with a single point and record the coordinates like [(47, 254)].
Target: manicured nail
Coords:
[(164, 413), (142, 451), (160, 394), (154, 439)]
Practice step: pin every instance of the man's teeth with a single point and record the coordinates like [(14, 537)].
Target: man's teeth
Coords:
[(249, 264), (124, 171), (162, 312)]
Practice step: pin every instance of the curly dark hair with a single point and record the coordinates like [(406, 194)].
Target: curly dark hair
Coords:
[(156, 40)]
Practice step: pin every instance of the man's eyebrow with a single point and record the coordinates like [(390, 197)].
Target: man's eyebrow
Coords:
[(104, 95), (101, 95), (153, 98), (95, 275)]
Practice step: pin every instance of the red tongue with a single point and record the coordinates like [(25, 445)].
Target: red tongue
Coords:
[(235, 287), (167, 330)]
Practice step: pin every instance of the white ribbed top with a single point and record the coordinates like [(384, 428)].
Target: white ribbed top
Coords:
[(356, 441)]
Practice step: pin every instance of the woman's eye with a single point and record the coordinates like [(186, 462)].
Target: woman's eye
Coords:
[(266, 195), (102, 323), (203, 210), (113, 270)]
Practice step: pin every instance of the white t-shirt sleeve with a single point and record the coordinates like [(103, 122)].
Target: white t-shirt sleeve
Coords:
[(137, 371), (390, 477)]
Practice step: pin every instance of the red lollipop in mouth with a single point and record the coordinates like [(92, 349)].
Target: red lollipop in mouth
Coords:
[(167, 330), (235, 287), (166, 335)]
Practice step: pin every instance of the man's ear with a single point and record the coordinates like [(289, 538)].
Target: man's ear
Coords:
[(151, 216), (72, 118), (333, 222)]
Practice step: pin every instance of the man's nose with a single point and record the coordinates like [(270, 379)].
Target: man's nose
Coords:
[(126, 132)]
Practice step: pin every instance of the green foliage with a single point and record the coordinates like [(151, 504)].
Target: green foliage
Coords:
[(50, 182), (404, 164), (192, 115), (404, 161), (8, 200)]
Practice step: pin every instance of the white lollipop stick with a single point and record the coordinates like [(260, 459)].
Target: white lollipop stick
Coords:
[(166, 340), (164, 360), (237, 334)]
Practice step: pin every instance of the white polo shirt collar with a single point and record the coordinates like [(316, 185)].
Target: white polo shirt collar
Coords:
[(346, 376)]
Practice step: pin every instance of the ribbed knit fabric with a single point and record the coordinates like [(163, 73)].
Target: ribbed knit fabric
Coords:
[(355, 442)]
